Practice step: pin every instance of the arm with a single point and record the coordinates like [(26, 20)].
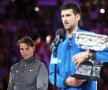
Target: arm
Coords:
[(42, 79), (11, 81), (80, 57), (102, 56), (61, 81), (99, 55), (71, 81)]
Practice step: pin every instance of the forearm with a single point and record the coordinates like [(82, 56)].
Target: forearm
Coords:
[(10, 88), (43, 88), (102, 56), (42, 79), (11, 81), (73, 82), (59, 78)]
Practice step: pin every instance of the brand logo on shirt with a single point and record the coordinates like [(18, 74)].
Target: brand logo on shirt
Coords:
[(17, 71), (31, 70)]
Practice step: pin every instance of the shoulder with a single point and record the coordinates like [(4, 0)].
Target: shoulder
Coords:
[(39, 62), (41, 67), (84, 30), (14, 66)]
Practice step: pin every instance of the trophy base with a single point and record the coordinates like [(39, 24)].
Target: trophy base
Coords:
[(84, 77), (89, 70)]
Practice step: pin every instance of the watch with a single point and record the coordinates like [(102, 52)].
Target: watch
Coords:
[(92, 55)]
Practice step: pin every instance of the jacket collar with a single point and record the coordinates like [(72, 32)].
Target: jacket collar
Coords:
[(78, 30), (27, 61)]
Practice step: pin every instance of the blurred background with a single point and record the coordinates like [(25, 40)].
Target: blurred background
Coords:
[(40, 19)]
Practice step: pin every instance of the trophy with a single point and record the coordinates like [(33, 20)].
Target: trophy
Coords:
[(90, 41)]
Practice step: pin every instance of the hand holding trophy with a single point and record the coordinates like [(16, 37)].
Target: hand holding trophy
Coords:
[(90, 69)]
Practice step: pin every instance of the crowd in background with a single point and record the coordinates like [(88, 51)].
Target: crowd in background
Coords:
[(20, 18)]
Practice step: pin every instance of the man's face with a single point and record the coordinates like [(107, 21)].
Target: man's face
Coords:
[(69, 19), (26, 51)]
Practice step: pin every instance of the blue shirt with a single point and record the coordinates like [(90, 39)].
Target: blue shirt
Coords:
[(66, 67)]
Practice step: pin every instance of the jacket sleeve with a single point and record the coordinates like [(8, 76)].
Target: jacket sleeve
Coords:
[(59, 79), (11, 81), (102, 56), (42, 78)]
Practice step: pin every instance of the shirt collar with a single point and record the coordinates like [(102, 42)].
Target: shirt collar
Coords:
[(27, 61), (73, 33)]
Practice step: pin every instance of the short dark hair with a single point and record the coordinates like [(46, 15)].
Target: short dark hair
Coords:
[(26, 40), (76, 9)]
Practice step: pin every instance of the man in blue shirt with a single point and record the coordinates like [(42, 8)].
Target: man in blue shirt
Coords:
[(70, 55)]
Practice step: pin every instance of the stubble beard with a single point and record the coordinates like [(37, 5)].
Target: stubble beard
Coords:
[(70, 30)]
